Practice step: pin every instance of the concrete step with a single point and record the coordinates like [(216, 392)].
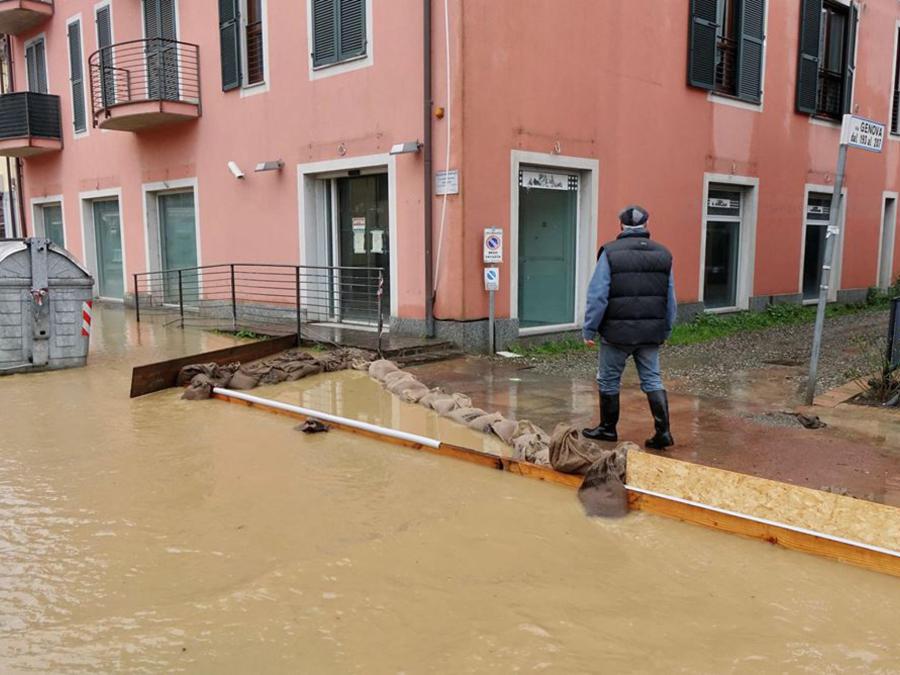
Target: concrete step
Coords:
[(429, 356)]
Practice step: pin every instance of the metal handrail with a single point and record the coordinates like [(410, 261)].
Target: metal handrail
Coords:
[(268, 295), (144, 70)]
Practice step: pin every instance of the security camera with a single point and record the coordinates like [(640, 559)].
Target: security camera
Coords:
[(235, 170)]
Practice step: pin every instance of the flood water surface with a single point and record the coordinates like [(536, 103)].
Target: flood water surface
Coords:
[(159, 535)]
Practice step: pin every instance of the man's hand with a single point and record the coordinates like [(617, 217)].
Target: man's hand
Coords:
[(590, 343)]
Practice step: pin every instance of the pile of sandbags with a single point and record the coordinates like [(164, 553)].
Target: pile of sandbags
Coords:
[(288, 366), (529, 442)]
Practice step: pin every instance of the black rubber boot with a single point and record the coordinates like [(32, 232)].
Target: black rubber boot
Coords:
[(609, 418), (659, 408)]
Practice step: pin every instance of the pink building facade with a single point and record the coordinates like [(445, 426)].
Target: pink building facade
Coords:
[(721, 117)]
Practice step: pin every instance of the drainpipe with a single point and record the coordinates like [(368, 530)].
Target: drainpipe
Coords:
[(427, 184)]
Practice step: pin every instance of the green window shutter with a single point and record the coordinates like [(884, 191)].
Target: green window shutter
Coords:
[(77, 78), (352, 31), (325, 31), (808, 66), (702, 44), (850, 59), (750, 50), (230, 42)]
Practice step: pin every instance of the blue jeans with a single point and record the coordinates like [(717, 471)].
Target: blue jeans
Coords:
[(612, 364)]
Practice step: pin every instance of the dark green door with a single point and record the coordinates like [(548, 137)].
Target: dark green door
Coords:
[(547, 243), (364, 243)]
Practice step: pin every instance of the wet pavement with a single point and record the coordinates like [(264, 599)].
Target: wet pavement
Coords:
[(162, 535), (858, 454)]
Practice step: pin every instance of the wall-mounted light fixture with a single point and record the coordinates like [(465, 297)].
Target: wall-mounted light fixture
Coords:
[(404, 148), (273, 165), (235, 170)]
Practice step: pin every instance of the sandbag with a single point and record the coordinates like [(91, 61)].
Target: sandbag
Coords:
[(199, 389), (570, 452), (244, 380), (413, 392), (485, 422), (444, 406), (399, 384), (505, 429), (427, 399), (218, 375), (305, 370), (528, 447), (395, 375), (602, 492), (465, 415)]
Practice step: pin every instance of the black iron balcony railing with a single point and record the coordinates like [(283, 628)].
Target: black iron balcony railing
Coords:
[(140, 71), (27, 114), (726, 66)]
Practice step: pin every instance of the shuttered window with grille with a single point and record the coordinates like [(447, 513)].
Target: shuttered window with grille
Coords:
[(727, 40), (827, 63), (339, 30), (253, 42), (76, 78)]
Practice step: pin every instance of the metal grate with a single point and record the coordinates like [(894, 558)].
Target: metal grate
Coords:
[(831, 94), (726, 66)]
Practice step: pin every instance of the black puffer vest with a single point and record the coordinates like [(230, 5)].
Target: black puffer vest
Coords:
[(638, 291)]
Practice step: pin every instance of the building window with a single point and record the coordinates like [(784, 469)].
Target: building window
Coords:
[(36, 66), (827, 58), (52, 219), (724, 207), (76, 77), (338, 31), (895, 101), (818, 213), (242, 39), (726, 47), (253, 43)]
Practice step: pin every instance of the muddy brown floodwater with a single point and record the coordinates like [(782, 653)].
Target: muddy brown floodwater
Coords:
[(159, 535)]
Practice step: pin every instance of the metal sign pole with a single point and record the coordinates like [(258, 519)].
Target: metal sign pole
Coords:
[(491, 295), (830, 244)]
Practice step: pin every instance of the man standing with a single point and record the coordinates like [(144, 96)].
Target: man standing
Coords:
[(631, 303)]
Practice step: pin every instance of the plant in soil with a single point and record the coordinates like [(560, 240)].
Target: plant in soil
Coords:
[(883, 387)]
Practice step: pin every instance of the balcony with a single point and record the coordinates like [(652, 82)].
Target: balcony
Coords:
[(29, 124), (19, 16), (144, 84)]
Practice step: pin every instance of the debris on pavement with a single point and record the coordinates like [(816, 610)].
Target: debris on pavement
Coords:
[(313, 426)]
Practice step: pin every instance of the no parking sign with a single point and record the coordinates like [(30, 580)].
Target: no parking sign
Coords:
[(493, 245)]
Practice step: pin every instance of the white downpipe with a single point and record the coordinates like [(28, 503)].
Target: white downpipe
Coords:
[(327, 417), (765, 521), (437, 262)]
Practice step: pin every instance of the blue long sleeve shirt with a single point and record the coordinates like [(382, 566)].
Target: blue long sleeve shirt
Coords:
[(598, 300)]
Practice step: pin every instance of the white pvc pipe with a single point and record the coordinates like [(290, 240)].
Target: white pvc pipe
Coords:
[(765, 521), (327, 417)]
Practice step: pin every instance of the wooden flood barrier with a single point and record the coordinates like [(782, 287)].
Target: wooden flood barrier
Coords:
[(791, 536), (164, 374)]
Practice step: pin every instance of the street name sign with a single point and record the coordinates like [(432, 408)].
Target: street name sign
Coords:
[(862, 133)]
